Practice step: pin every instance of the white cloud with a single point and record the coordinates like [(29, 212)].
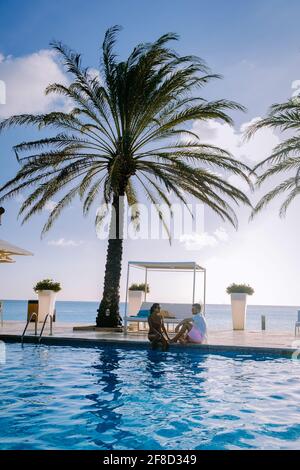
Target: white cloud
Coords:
[(224, 136), (296, 87), (26, 79), (197, 241), (95, 73), (50, 205), (221, 234), (62, 243)]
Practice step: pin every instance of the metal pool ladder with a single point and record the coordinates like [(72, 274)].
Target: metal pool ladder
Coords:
[(44, 324), (32, 316)]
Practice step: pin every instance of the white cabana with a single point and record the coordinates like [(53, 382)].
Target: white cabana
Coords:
[(165, 266)]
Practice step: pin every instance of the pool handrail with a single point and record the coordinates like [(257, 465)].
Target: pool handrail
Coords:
[(35, 316), (44, 324)]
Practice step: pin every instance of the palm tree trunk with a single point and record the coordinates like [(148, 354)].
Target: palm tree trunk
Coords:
[(108, 312)]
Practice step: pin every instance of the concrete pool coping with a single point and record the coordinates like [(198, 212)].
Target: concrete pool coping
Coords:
[(239, 342), (205, 348)]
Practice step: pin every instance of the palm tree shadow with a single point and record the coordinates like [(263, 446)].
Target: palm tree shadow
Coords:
[(109, 399)]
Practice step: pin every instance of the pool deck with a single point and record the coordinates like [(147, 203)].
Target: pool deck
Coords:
[(273, 342)]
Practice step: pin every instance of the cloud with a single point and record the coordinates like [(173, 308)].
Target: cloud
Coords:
[(221, 234), (50, 205), (26, 78), (2, 92), (296, 87), (224, 136), (197, 241), (95, 73), (62, 243)]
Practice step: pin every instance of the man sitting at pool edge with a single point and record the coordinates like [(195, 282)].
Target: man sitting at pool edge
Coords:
[(192, 330)]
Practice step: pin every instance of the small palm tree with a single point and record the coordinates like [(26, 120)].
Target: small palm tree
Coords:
[(125, 133), (285, 157)]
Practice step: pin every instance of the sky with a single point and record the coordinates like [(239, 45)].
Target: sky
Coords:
[(254, 45)]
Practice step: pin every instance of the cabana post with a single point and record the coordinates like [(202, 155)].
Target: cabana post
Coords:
[(146, 280)]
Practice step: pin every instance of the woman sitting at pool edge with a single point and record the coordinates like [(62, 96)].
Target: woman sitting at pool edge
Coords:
[(157, 335), (192, 330)]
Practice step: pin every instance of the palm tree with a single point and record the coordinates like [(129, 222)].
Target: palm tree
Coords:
[(285, 157), (125, 132)]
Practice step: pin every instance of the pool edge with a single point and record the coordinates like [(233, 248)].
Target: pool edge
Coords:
[(205, 348)]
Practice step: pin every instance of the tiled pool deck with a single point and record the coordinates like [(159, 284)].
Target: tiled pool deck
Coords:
[(274, 342)]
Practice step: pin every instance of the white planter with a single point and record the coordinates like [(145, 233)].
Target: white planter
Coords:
[(238, 310), (134, 302), (47, 300)]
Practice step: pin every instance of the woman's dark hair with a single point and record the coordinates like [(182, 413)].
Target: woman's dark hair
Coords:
[(154, 306)]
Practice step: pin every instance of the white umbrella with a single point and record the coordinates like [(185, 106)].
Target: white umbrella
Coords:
[(7, 249)]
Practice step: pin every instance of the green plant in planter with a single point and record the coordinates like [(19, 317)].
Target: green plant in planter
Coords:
[(47, 284), (141, 287), (240, 289)]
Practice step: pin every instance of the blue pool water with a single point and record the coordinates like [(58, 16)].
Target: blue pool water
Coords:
[(111, 397)]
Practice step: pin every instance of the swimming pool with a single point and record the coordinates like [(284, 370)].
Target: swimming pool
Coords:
[(117, 397)]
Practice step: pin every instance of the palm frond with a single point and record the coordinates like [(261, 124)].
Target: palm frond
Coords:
[(123, 136), (285, 157)]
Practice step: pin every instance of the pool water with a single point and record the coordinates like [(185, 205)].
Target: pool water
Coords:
[(117, 397)]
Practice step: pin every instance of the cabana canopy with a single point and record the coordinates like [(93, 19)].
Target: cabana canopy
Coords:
[(162, 265)]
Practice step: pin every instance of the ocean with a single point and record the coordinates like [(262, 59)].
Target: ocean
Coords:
[(218, 317)]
